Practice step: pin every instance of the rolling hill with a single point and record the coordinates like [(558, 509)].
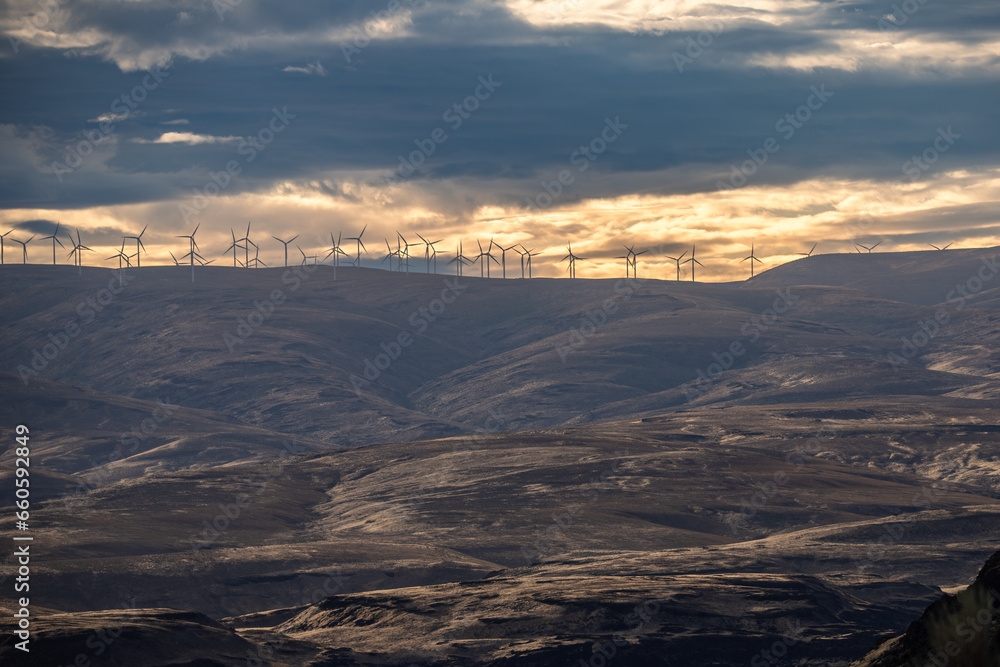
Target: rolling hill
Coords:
[(525, 464)]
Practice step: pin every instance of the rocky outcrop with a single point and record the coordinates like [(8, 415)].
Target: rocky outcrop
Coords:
[(960, 630)]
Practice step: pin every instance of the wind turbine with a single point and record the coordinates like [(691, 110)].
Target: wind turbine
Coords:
[(503, 257), (176, 263), (692, 261), (459, 261), (256, 253), (479, 258), (428, 250), (519, 249), (752, 258), (336, 251), (434, 255), (678, 260), (360, 243), (306, 257), (484, 257), (234, 247), (193, 253), (121, 255), (805, 254), (256, 258), (246, 248), (138, 244), (572, 260), (55, 239), (24, 247), (489, 254), (390, 254), (529, 254), (403, 251), (1, 244), (630, 260), (285, 243), (869, 249), (77, 250), (942, 248), (635, 257)]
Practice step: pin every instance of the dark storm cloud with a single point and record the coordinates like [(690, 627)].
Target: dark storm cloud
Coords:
[(557, 88), (44, 227)]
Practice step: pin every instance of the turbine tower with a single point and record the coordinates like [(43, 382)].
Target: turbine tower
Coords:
[(528, 254), (24, 248), (484, 257), (257, 263), (635, 266), (285, 243), (55, 239), (519, 249), (434, 255), (572, 260), (692, 261), (2, 236), (752, 258), (678, 260), (256, 248), (121, 256), (138, 245), (360, 243), (460, 261), (429, 252), (193, 253), (628, 260), (403, 251), (77, 251), (234, 247), (503, 257), (246, 247), (390, 253), (336, 251)]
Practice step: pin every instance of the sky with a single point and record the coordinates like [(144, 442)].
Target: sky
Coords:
[(658, 125)]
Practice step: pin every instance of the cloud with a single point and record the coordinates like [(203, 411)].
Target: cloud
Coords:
[(188, 138), (137, 36), (110, 117), (565, 66), (36, 227), (312, 68), (779, 220)]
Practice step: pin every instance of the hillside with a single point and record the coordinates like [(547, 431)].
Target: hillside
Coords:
[(514, 354), (515, 483)]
